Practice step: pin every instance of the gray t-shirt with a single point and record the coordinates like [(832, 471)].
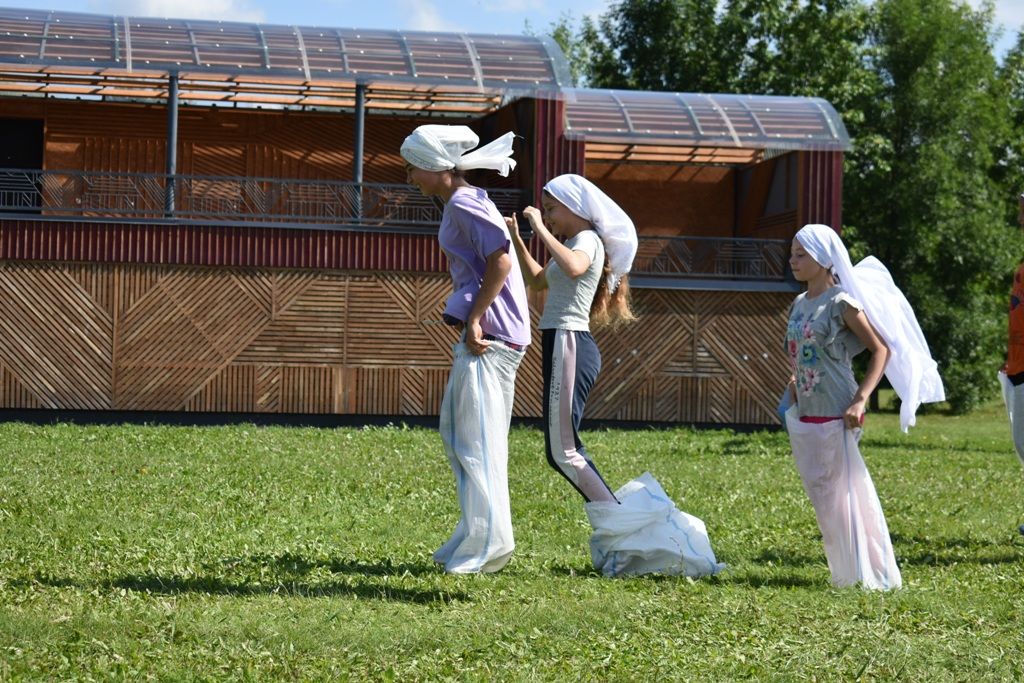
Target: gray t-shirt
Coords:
[(568, 303), (820, 347)]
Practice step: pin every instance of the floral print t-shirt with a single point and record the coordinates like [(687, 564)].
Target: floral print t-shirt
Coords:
[(820, 347)]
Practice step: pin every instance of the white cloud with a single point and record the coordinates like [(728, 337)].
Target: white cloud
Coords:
[(1009, 20), (424, 15), (226, 10), (1009, 13), (513, 6)]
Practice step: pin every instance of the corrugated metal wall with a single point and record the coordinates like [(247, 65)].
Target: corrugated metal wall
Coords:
[(821, 188), (555, 154), (218, 246)]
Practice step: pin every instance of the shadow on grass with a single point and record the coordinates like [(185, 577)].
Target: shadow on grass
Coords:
[(924, 551), (174, 585), (935, 448), (279, 585), (297, 564), (789, 559), (773, 580), (583, 571), (726, 577), (749, 446)]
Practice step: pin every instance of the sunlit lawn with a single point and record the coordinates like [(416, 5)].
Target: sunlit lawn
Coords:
[(265, 553)]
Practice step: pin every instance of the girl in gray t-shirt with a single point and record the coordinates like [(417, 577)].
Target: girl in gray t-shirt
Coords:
[(827, 328), (637, 529), (576, 279)]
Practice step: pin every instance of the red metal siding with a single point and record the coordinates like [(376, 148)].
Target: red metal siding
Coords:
[(555, 154), (822, 184), (218, 246)]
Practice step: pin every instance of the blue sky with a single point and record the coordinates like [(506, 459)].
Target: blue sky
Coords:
[(471, 16)]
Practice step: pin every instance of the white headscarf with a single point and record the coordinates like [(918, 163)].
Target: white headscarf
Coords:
[(435, 147), (589, 202), (910, 368)]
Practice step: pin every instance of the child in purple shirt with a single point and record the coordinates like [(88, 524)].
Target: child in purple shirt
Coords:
[(472, 229), (489, 308)]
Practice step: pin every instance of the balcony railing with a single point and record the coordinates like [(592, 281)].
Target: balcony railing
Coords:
[(191, 198), (731, 258), (323, 204)]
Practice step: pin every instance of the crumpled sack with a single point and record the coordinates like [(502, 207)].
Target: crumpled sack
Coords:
[(644, 533)]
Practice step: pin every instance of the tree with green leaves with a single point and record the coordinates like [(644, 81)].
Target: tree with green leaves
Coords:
[(928, 112), (928, 206), (1009, 172)]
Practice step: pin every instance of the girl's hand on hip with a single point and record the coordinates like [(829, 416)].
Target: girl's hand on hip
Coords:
[(475, 341), (854, 415)]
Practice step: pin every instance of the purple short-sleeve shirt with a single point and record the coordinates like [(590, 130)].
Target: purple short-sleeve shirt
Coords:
[(471, 229)]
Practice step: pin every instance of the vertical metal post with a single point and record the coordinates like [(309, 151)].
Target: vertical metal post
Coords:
[(172, 142), (357, 161)]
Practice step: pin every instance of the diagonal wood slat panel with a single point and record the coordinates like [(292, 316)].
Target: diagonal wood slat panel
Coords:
[(731, 350), (187, 338), (267, 398), (43, 309), (287, 287), (382, 333), (307, 327), (529, 381), (259, 289), (413, 387), (163, 354), (13, 393), (132, 284), (96, 284)]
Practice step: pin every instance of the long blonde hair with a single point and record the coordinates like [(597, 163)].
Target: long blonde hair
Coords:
[(611, 310)]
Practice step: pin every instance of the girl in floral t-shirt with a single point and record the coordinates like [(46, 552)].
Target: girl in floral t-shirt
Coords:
[(828, 326)]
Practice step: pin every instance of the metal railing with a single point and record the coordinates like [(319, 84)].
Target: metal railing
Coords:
[(143, 196), (55, 195), (732, 258)]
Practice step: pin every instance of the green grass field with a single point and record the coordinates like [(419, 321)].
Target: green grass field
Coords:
[(270, 553)]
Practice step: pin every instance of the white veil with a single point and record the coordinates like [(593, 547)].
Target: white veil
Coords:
[(435, 147), (588, 201), (910, 368)]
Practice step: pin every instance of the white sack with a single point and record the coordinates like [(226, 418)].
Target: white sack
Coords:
[(646, 534), (853, 528), (475, 415)]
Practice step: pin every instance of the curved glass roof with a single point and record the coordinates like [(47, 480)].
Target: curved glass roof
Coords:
[(136, 44), (89, 56), (698, 120)]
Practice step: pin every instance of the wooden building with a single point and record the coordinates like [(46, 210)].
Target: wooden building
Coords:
[(213, 216)]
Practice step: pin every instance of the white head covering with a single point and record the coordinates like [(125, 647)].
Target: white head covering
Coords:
[(589, 202), (910, 368), (435, 147)]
